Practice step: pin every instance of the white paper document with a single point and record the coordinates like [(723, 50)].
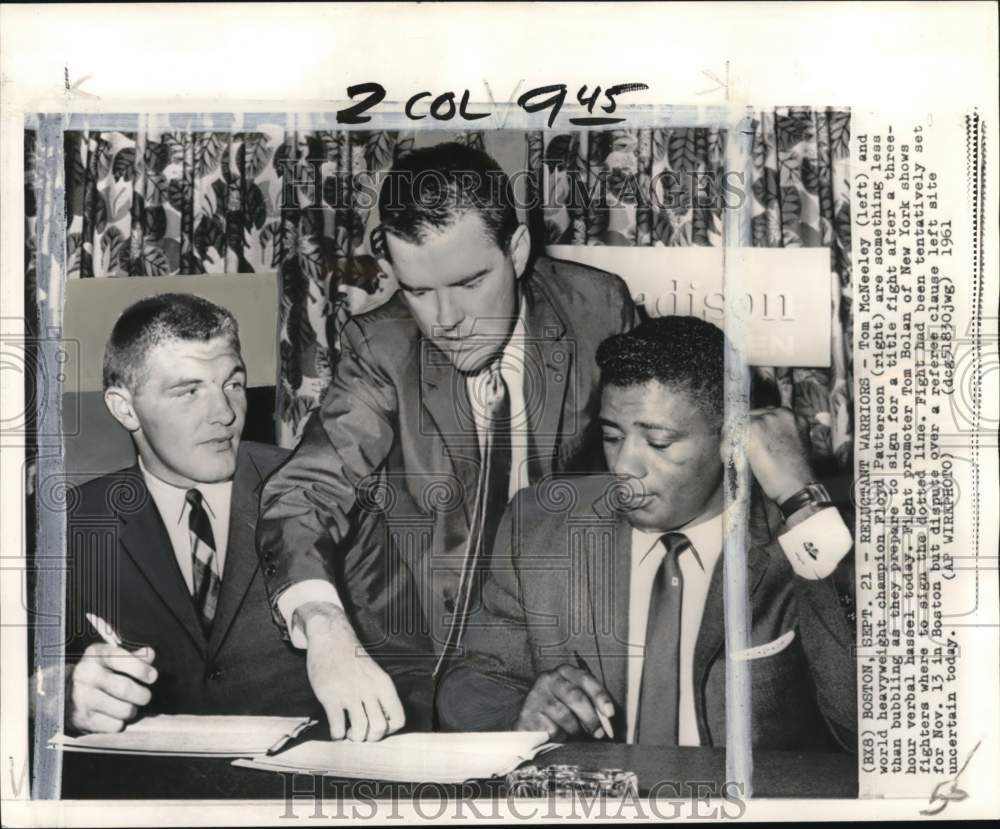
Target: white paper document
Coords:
[(413, 758), (184, 734)]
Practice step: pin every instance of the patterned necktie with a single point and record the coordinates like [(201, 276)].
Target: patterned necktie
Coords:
[(659, 696), (205, 582)]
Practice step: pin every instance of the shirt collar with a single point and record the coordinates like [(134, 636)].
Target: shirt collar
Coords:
[(510, 361), (171, 500), (705, 537)]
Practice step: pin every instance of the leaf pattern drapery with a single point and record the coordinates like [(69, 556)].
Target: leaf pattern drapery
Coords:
[(801, 198), (659, 186), (189, 202), (152, 203)]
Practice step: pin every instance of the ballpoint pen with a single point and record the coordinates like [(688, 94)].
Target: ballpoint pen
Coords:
[(104, 630)]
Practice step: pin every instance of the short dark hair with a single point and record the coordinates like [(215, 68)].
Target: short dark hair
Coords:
[(432, 188), (685, 353), (159, 319)]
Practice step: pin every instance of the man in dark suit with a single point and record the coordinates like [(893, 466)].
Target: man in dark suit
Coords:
[(476, 379), (606, 593), (164, 551)]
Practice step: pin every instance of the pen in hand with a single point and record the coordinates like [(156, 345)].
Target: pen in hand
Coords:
[(104, 630), (111, 638), (110, 684), (605, 722)]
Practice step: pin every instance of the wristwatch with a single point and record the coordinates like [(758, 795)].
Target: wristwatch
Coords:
[(814, 494)]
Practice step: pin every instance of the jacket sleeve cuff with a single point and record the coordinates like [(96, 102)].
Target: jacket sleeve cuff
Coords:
[(300, 593), (817, 545)]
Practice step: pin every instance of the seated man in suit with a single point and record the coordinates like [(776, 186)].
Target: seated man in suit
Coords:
[(164, 551), (606, 594), (475, 379)]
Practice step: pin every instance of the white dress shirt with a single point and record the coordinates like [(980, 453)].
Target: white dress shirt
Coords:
[(512, 370), (174, 509), (696, 566), (696, 570)]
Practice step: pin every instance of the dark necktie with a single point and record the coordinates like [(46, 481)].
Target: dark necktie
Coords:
[(659, 696), (497, 459), (491, 499), (205, 582)]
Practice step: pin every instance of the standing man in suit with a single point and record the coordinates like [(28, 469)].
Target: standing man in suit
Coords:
[(606, 594), (164, 550), (476, 379)]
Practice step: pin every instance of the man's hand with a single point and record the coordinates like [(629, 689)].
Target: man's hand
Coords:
[(776, 455), (345, 679), (564, 702), (108, 686)]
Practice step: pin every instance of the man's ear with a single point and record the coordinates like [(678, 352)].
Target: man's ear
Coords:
[(386, 267), (118, 399), (520, 249)]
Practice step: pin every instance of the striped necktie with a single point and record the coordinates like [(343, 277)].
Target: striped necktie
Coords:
[(205, 581), (659, 697)]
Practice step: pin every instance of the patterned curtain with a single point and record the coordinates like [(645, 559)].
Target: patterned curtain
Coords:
[(801, 198), (152, 203), (190, 202), (680, 167)]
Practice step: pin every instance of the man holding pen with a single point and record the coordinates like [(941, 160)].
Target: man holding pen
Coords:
[(603, 615), (162, 554)]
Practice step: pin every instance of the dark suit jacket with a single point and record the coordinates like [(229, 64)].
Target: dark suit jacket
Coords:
[(122, 567), (559, 586), (394, 436)]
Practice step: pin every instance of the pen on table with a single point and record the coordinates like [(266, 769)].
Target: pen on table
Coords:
[(104, 630), (293, 737), (605, 722)]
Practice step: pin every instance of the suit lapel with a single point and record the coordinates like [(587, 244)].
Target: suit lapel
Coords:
[(446, 400), (608, 576), (144, 538), (241, 555), (546, 352)]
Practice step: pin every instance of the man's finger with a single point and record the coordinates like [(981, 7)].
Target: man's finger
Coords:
[(546, 723), (125, 662), (146, 654), (572, 696), (118, 709), (124, 688), (87, 670), (377, 724), (592, 687), (358, 730), (561, 714), (335, 716), (392, 706), (102, 723)]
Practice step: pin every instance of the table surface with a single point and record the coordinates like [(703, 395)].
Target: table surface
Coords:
[(668, 772)]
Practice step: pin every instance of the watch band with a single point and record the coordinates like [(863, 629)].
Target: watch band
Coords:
[(814, 494)]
